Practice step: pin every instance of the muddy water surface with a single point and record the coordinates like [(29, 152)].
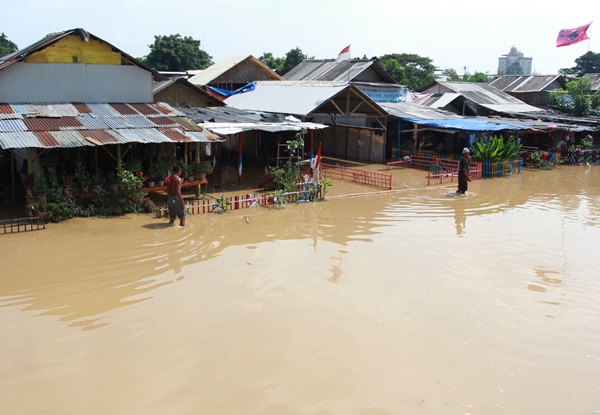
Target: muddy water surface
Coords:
[(412, 302)]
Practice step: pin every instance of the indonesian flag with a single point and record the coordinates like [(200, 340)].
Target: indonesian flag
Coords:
[(568, 37), (344, 55)]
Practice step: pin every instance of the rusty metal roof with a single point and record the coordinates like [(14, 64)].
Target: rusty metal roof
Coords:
[(76, 125)]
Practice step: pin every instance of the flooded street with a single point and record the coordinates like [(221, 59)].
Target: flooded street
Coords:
[(406, 302)]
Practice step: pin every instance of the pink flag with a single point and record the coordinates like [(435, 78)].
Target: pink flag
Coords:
[(568, 37), (344, 54)]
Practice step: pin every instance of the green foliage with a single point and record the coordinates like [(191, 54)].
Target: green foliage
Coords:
[(285, 177), (411, 70), (587, 142), (6, 45), (476, 77), (176, 53), (205, 167), (82, 176), (451, 74), (577, 99), (495, 148), (586, 63), (40, 185), (282, 65), (272, 62), (295, 145)]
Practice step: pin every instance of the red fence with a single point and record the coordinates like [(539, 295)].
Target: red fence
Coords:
[(370, 178), (441, 168)]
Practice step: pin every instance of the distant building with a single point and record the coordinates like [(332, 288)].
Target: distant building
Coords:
[(514, 63)]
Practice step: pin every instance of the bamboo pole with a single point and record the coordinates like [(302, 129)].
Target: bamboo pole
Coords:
[(197, 156)]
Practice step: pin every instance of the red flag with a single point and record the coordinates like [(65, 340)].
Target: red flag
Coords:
[(568, 37), (344, 54)]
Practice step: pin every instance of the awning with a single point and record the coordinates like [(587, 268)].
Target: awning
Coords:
[(466, 124)]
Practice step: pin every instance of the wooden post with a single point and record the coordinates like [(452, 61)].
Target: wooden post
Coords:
[(185, 153), (240, 157), (415, 137), (197, 156), (119, 157), (312, 144), (12, 176), (398, 152)]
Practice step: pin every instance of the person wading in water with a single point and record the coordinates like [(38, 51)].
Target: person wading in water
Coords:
[(175, 201), (463, 172)]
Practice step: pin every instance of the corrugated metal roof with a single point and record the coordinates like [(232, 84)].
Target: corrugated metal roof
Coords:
[(124, 109), (414, 111), (522, 84), (12, 125), (103, 110), (290, 97), (164, 121), (52, 124), (145, 109), (47, 139), (334, 70), (72, 139), (101, 123), (99, 137), (6, 109), (202, 137), (92, 123), (487, 96), (19, 139)]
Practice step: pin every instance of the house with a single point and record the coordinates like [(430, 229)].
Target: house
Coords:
[(179, 92), (532, 89), (357, 123), (70, 94), (472, 98), (368, 75), (595, 77), (234, 73)]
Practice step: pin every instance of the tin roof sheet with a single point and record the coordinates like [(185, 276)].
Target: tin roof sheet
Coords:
[(19, 139), (47, 139), (12, 125), (334, 70), (92, 123), (522, 84), (99, 137), (52, 124), (145, 109), (70, 139), (124, 109), (103, 110)]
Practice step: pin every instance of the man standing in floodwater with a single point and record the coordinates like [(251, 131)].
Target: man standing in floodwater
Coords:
[(175, 201), (463, 171)]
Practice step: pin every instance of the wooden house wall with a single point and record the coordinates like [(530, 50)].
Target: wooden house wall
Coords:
[(180, 95)]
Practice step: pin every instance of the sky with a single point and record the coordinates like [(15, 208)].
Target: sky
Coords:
[(454, 34)]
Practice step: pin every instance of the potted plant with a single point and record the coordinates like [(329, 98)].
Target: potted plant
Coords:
[(40, 185), (162, 171), (204, 168)]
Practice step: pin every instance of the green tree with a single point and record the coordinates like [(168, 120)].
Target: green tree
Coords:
[(176, 53), (292, 58), (476, 77), (6, 45), (577, 99), (586, 63), (451, 74), (272, 62), (411, 70)]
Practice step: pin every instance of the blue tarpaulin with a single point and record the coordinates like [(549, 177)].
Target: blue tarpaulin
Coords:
[(465, 124), (227, 93)]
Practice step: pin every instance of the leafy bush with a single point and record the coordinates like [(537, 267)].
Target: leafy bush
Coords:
[(495, 148)]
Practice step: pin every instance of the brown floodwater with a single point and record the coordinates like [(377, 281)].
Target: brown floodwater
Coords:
[(407, 302)]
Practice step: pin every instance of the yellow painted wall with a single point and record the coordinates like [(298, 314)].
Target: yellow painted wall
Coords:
[(62, 51)]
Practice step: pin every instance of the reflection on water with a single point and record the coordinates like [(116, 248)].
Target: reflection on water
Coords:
[(373, 305)]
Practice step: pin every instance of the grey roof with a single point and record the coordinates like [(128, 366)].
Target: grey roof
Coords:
[(595, 77), (333, 70), (412, 110), (522, 84), (486, 96), (297, 98)]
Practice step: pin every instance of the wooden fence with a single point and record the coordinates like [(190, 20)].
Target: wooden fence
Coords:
[(370, 178), (21, 225)]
